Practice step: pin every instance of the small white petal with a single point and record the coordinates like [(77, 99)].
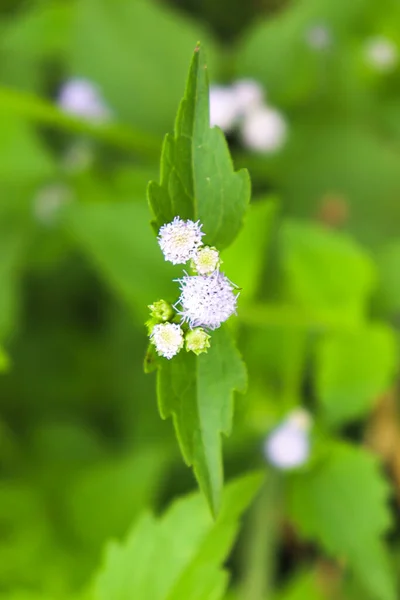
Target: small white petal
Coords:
[(167, 338), (82, 98), (288, 445), (249, 95), (381, 53), (224, 108), (264, 130), (179, 240), (207, 301)]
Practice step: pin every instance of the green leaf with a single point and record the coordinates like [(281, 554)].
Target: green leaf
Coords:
[(353, 370), (197, 393), (179, 555), (341, 502), (198, 180), (326, 271)]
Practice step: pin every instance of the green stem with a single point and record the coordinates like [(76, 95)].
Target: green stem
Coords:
[(261, 544), (42, 111)]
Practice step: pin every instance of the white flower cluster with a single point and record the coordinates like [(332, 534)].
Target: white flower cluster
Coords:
[(208, 298), (242, 106), (288, 446)]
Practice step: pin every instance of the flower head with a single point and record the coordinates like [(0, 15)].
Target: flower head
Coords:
[(288, 446), (167, 338), (179, 240), (83, 98), (249, 95), (264, 130), (206, 260), (224, 108), (197, 340), (207, 301)]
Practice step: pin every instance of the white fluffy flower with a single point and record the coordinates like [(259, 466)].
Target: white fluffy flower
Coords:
[(264, 130), (206, 260), (381, 53), (167, 338), (207, 301), (288, 446), (179, 240), (249, 95), (319, 37), (82, 98), (224, 108)]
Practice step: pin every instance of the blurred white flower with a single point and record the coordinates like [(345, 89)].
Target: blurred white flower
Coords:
[(264, 130), (179, 240), (319, 37), (82, 98), (288, 446), (207, 301), (78, 157), (224, 108), (381, 53), (49, 201), (249, 95), (167, 338)]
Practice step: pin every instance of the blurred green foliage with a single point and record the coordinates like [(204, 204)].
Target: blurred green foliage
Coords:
[(83, 451)]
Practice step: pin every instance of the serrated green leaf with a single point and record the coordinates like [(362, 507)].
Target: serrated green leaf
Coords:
[(353, 369), (164, 559), (342, 503), (326, 271), (198, 180), (197, 392)]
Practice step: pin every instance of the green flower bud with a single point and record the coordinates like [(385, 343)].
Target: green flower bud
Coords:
[(161, 310), (197, 340)]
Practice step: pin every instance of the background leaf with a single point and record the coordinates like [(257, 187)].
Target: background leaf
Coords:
[(353, 369), (324, 504), (187, 546)]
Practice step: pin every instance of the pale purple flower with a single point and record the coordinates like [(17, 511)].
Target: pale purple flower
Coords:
[(207, 301)]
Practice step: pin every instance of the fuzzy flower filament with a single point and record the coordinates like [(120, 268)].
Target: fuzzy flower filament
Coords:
[(179, 240), (207, 301)]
